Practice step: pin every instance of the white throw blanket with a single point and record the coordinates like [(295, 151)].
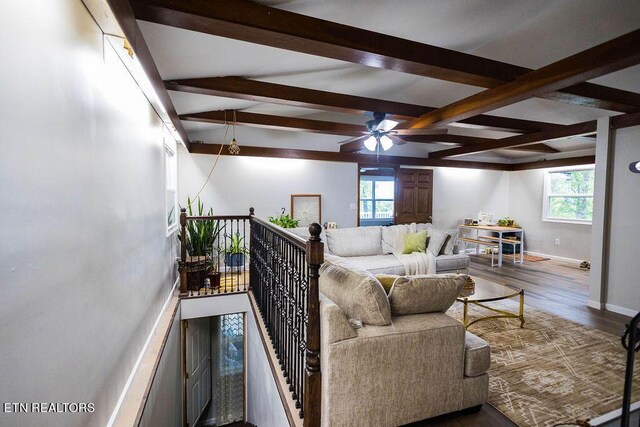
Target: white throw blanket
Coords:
[(416, 262)]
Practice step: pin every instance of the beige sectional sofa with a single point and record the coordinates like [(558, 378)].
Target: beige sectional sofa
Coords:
[(410, 361), (371, 248)]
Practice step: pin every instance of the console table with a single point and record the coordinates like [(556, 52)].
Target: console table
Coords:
[(492, 241)]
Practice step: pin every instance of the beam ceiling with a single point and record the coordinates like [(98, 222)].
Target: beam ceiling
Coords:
[(254, 90), (614, 55), (255, 23), (579, 129)]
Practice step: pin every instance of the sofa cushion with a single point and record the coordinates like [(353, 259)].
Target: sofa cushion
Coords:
[(477, 355), (452, 262), (303, 232), (358, 241), (415, 242), (389, 235), (377, 264), (425, 294), (450, 243), (437, 239), (422, 226), (357, 292)]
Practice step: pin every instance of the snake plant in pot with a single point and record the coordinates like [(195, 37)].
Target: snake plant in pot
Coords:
[(235, 252), (201, 239)]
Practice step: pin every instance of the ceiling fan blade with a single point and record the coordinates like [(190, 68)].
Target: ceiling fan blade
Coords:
[(401, 132), (386, 125), (353, 145), (396, 140)]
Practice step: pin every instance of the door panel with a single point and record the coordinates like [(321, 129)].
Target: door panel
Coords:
[(198, 356), (414, 198)]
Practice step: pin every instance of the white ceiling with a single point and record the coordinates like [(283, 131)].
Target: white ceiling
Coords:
[(530, 33)]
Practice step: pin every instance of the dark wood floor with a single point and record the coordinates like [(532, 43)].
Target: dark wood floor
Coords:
[(559, 288)]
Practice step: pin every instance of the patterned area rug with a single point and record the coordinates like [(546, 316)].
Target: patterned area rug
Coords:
[(553, 370)]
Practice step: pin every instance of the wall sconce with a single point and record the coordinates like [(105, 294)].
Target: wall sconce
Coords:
[(635, 167)]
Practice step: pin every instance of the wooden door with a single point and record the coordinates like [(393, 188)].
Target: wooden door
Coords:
[(198, 358), (414, 195)]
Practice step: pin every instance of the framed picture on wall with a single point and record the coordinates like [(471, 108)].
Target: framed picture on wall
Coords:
[(306, 208)]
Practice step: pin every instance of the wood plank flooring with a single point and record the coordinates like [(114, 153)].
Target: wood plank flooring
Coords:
[(559, 288)]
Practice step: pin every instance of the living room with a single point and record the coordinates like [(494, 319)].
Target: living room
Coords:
[(116, 112)]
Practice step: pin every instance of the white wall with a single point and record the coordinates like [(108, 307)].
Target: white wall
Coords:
[(238, 183), (623, 290), (85, 264), (525, 206), (462, 193)]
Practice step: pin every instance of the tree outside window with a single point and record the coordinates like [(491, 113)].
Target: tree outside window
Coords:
[(569, 195)]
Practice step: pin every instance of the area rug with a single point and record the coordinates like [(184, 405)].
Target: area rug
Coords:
[(553, 370), (527, 257)]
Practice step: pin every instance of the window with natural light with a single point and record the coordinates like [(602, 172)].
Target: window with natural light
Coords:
[(171, 183), (376, 199), (568, 195)]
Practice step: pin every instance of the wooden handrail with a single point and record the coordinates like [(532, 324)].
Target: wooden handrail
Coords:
[(282, 232), (218, 217)]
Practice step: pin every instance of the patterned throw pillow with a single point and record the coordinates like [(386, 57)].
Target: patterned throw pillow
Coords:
[(437, 239)]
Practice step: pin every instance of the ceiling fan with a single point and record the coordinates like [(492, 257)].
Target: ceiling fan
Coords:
[(380, 133)]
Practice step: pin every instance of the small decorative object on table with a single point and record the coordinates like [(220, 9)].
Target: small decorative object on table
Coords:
[(469, 287)]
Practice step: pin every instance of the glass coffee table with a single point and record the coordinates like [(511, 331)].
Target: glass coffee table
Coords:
[(486, 292)]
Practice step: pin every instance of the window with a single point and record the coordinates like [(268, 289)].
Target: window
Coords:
[(171, 183), (376, 199), (568, 195)]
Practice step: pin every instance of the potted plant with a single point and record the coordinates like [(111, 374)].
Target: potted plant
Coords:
[(234, 254), (284, 221), (201, 239)]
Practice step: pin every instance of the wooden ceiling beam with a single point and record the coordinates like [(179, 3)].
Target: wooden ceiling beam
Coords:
[(257, 91), (127, 21), (614, 55), (255, 23), (332, 156), (555, 163), (276, 122), (471, 140), (578, 129)]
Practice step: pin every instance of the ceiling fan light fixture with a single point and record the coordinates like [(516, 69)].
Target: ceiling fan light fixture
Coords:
[(386, 142), (370, 143)]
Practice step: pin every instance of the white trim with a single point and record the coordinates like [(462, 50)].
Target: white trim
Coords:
[(114, 414), (620, 310), (568, 221), (617, 413), (554, 257), (595, 304)]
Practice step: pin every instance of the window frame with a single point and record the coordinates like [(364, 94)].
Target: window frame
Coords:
[(546, 194), (373, 199), (170, 156)]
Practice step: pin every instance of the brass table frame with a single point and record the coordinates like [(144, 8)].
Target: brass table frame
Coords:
[(501, 313)]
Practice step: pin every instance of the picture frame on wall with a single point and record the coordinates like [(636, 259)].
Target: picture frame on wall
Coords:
[(306, 208)]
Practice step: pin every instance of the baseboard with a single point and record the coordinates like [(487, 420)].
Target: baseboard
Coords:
[(595, 304), (125, 389), (555, 257), (620, 310)]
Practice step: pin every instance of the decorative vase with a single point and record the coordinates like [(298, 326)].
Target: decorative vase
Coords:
[(234, 260)]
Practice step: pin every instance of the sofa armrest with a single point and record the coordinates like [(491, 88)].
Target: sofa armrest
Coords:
[(394, 375), (334, 325), (477, 355)]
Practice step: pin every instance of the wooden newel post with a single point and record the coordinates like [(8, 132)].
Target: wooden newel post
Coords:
[(182, 263), (313, 375)]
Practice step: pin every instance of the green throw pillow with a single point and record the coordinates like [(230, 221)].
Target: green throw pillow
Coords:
[(386, 280), (415, 242)]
